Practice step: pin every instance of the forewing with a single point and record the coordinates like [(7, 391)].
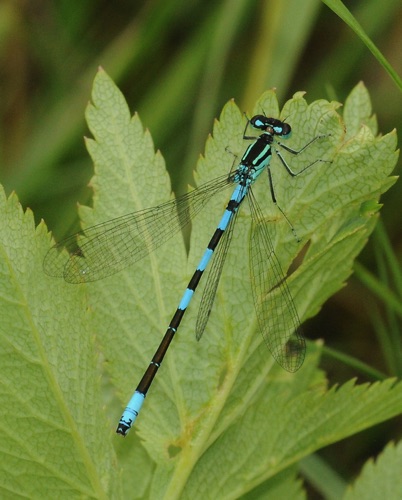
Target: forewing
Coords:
[(102, 250)]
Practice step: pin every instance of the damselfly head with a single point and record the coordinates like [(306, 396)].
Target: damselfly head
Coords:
[(271, 125)]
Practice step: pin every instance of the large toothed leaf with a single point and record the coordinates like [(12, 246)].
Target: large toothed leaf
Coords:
[(54, 437), (380, 479), (221, 420)]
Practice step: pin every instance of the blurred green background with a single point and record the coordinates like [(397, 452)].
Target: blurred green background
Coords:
[(177, 64)]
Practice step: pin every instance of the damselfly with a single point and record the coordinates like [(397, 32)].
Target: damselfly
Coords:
[(107, 248)]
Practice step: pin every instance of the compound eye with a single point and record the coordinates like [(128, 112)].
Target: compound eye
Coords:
[(286, 129), (259, 121)]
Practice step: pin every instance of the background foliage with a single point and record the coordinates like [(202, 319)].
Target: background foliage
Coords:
[(177, 64)]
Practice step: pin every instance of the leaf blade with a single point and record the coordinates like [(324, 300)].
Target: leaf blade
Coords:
[(49, 393)]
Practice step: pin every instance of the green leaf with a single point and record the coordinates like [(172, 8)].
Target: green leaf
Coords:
[(221, 419), (358, 111), (380, 479), (282, 485), (206, 391), (54, 436)]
